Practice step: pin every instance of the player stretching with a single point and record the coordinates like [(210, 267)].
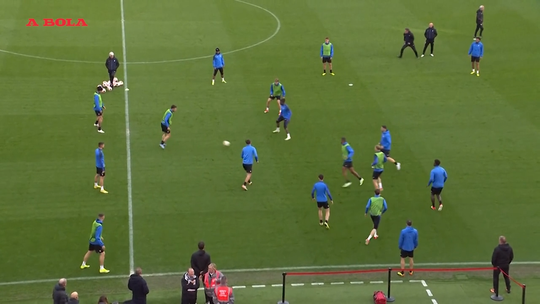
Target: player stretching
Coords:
[(96, 244), (285, 115), (99, 107), (322, 202), (378, 167), (219, 63), (376, 206), (277, 91), (100, 169), (248, 154), (386, 143), (437, 178), (166, 125), (347, 152)]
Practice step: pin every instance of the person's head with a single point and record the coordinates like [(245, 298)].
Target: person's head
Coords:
[(212, 268), (409, 223), (201, 243), (502, 240), (218, 51), (101, 145), (100, 89), (101, 216), (478, 39), (343, 140), (62, 282), (191, 272), (384, 128), (282, 101), (378, 148), (407, 30), (436, 163), (482, 8), (276, 81), (248, 142), (431, 25), (223, 281), (103, 300), (173, 108), (138, 271), (326, 40), (74, 295), (377, 192), (111, 55), (321, 177)]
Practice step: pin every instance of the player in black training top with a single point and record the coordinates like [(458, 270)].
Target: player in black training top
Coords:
[(479, 22), (408, 39)]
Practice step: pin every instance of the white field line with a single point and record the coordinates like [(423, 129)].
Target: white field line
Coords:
[(429, 293), (282, 269)]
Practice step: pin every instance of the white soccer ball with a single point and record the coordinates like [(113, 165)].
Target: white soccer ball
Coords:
[(226, 143)]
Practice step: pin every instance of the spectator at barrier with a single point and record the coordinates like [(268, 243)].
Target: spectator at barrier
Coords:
[(59, 294), (501, 258), (408, 241), (200, 260), (210, 282), (190, 285), (103, 300), (74, 298), (223, 294), (139, 288)]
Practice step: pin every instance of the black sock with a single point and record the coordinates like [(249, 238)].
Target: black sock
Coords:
[(97, 121), (245, 184), (320, 221), (249, 181), (99, 128), (326, 222), (396, 163), (433, 204), (162, 142), (324, 71), (359, 178), (331, 71)]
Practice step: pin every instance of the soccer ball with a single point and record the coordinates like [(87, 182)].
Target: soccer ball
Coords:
[(226, 143)]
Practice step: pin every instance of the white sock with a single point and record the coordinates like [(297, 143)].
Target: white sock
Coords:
[(473, 70), (101, 267), (478, 71), (96, 184), (277, 128), (376, 233), (102, 188), (83, 263), (380, 185), (222, 78), (369, 237)]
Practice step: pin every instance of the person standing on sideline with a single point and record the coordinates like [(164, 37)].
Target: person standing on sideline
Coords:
[(408, 41), (139, 288), (327, 53), (437, 178), (347, 153), (112, 65), (376, 207), (501, 258), (479, 22), (210, 282), (100, 169), (166, 123), (96, 244), (219, 63), (386, 143), (74, 298), (223, 294), (59, 294), (430, 34), (285, 115), (321, 190), (200, 260), (248, 154), (476, 51), (99, 107), (408, 241), (190, 284), (378, 167), (277, 91)]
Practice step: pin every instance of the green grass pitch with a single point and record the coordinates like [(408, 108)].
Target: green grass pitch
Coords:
[(484, 129)]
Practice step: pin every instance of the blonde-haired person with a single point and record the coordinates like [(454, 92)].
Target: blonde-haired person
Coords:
[(378, 167), (210, 282)]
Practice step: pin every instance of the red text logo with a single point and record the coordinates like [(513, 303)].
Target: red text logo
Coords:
[(58, 22)]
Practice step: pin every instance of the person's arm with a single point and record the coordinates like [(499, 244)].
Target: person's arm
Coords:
[(332, 51), (130, 285), (329, 194), (272, 90), (431, 178), (400, 244), (445, 176), (117, 63), (470, 50), (282, 91), (350, 152), (322, 48), (313, 192), (511, 255), (385, 159), (368, 205), (99, 231), (184, 283), (197, 283), (412, 37), (415, 239), (385, 206), (481, 50), (231, 297), (106, 65), (145, 287), (222, 61), (435, 33), (494, 258), (425, 33), (256, 155), (374, 160)]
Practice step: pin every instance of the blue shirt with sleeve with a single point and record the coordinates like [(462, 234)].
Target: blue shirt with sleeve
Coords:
[(408, 239), (350, 153), (438, 177), (100, 158), (286, 112), (99, 231), (476, 49), (282, 90), (218, 61), (375, 160), (98, 102), (385, 206), (386, 140), (321, 190), (331, 50), (167, 120), (248, 154)]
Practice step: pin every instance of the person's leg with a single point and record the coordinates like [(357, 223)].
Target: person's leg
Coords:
[(86, 257), (327, 215), (507, 278), (411, 265), (481, 30), (320, 216), (268, 104), (414, 50), (476, 30), (402, 49), (432, 44), (425, 48), (495, 288)]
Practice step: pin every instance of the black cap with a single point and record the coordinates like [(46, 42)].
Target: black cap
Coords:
[(217, 49)]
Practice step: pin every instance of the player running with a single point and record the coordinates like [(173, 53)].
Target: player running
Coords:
[(376, 207), (378, 167), (277, 91), (437, 178), (322, 191), (347, 153), (99, 107), (96, 244), (386, 143), (285, 115), (166, 125), (248, 154), (100, 169)]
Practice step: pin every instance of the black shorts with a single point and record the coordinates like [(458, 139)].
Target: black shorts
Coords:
[(218, 69), (248, 168), (98, 113), (323, 205), (96, 248), (275, 97), (407, 254), (100, 171), (327, 59), (436, 191), (376, 220), (164, 129), (475, 59), (285, 121), (112, 73), (386, 152), (376, 174), (347, 164)]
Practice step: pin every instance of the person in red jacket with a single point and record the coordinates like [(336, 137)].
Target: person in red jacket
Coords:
[(223, 294)]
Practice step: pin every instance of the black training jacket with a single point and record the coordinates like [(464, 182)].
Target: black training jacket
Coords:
[(502, 256), (112, 64), (430, 33), (479, 16), (200, 261), (408, 38)]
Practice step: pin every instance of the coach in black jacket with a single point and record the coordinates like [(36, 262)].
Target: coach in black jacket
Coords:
[(430, 35), (501, 259), (139, 288), (190, 285), (479, 21), (112, 65), (200, 260), (408, 41)]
